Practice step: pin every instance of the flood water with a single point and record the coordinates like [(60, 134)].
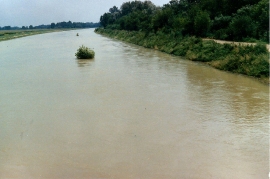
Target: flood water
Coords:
[(130, 113)]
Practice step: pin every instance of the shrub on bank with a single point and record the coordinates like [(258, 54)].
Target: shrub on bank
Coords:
[(251, 60), (85, 53)]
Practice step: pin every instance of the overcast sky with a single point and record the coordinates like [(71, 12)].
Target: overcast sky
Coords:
[(37, 12)]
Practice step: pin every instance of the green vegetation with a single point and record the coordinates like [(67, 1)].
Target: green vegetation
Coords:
[(251, 60), (178, 28), (222, 19), (12, 34), (58, 25), (85, 53), (70, 24)]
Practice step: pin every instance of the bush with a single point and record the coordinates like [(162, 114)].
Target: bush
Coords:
[(221, 34), (84, 53), (242, 26), (202, 23)]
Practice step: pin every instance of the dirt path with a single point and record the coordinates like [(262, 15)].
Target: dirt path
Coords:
[(236, 43)]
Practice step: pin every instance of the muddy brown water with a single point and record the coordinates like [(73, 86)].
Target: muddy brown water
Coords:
[(130, 113)]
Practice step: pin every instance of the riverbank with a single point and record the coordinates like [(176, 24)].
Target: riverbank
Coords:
[(236, 43), (13, 34), (250, 60)]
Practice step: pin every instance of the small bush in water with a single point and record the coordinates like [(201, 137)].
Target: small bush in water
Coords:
[(84, 53)]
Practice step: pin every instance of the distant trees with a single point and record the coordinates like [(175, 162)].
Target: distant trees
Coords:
[(7, 28), (70, 24), (222, 19), (53, 25)]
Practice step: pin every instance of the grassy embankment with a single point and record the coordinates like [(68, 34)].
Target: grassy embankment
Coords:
[(12, 34), (250, 60)]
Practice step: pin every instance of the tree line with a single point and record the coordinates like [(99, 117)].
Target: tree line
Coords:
[(70, 24), (63, 24), (244, 20)]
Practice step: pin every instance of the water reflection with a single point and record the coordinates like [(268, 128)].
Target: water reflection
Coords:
[(245, 98), (85, 62), (149, 60), (241, 103)]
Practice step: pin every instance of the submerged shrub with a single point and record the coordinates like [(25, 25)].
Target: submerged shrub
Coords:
[(84, 53)]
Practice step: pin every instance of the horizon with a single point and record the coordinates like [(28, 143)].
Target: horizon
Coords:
[(18, 13), (27, 26)]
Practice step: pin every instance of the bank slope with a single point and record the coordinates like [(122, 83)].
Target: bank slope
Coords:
[(13, 34), (250, 60)]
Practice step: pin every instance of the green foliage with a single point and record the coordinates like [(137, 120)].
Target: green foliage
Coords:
[(260, 49), (106, 19), (248, 60), (251, 65), (201, 23), (242, 24), (260, 14), (221, 22), (85, 53), (223, 19), (162, 18), (221, 34), (176, 29), (52, 25), (130, 22)]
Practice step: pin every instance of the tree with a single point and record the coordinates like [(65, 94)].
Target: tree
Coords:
[(225, 19), (243, 24), (179, 24), (7, 27), (52, 25), (202, 23), (221, 22), (130, 22), (260, 12), (114, 9), (241, 27), (69, 24), (106, 19), (162, 18), (214, 7)]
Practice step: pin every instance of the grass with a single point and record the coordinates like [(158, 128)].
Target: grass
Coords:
[(12, 34), (250, 60)]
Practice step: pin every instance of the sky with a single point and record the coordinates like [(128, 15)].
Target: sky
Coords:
[(37, 12)]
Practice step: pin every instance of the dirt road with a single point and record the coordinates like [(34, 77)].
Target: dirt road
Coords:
[(236, 43)]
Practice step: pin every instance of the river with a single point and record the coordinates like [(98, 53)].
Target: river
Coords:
[(130, 113)]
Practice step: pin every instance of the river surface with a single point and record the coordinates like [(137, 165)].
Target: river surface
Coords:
[(130, 113)]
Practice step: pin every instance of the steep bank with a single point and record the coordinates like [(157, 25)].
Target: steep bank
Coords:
[(248, 60)]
